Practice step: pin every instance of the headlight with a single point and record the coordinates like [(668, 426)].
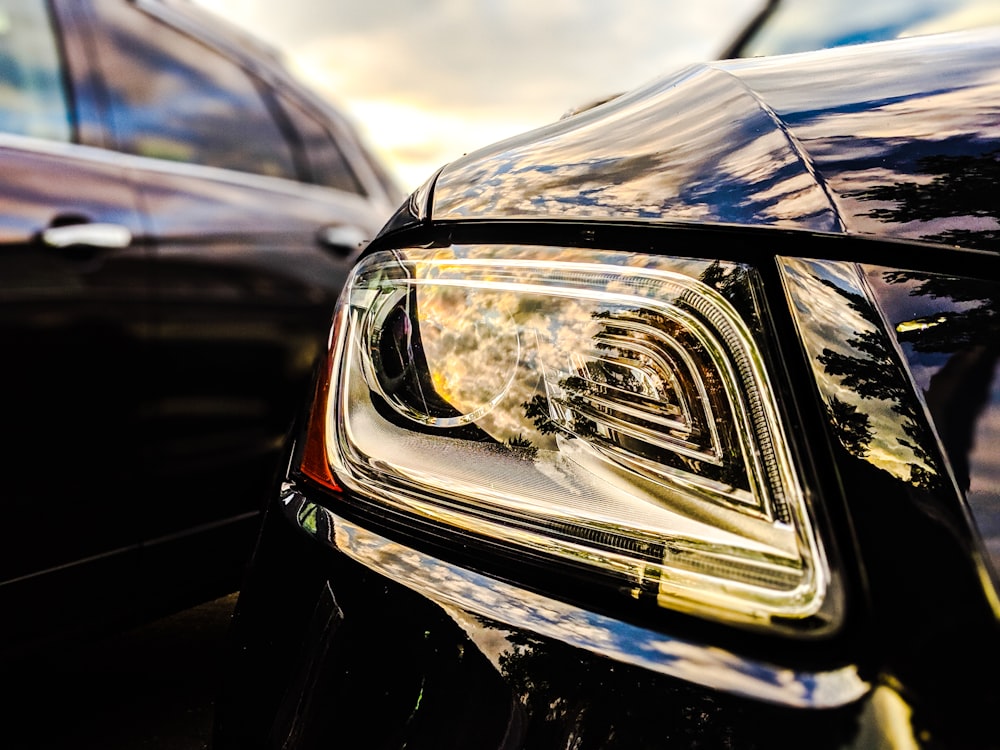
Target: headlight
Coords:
[(599, 409)]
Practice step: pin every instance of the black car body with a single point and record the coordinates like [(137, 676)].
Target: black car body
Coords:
[(670, 424), (178, 215)]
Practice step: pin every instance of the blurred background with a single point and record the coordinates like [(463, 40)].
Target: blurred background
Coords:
[(428, 81)]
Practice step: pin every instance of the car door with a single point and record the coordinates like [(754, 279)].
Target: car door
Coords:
[(248, 261), (73, 332)]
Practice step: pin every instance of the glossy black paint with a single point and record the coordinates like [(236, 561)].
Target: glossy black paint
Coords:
[(899, 488), (946, 328), (860, 204), (835, 141), (149, 386)]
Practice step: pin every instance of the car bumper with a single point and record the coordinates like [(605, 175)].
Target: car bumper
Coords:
[(341, 632)]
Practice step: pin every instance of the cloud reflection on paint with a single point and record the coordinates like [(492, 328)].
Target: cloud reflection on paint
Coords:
[(490, 611), (886, 138), (692, 147)]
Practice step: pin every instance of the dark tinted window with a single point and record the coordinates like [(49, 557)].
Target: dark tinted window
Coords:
[(32, 96), (174, 98), (326, 161)]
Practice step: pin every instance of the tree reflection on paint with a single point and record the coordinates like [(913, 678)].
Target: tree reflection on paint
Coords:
[(961, 187), (578, 718), (853, 426), (875, 375), (966, 327)]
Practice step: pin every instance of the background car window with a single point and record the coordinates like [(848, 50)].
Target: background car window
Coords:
[(33, 97), (800, 25), (326, 161), (173, 98)]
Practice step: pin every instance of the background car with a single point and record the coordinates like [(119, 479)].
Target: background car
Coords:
[(671, 423), (786, 26), (178, 217)]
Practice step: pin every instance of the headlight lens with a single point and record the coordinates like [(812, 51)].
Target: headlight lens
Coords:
[(610, 410)]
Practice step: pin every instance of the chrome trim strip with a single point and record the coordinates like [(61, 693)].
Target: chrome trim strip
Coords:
[(452, 587)]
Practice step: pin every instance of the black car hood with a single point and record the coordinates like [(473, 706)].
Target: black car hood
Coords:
[(897, 139)]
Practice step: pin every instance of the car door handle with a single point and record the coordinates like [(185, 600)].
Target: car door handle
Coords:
[(344, 239), (110, 236)]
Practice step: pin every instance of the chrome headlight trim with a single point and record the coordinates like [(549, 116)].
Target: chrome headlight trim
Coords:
[(496, 604)]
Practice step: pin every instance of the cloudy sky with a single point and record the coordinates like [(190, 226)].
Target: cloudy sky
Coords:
[(427, 81)]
